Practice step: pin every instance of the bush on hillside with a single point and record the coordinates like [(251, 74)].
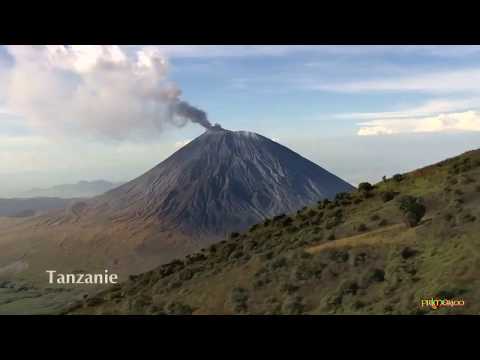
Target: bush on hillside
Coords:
[(397, 177), (362, 227), (342, 196), (365, 187), (311, 213), (177, 308), (287, 222), (293, 305), (239, 298), (413, 209), (383, 222), (387, 196)]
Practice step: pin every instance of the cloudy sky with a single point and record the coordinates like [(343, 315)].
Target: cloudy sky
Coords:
[(85, 113)]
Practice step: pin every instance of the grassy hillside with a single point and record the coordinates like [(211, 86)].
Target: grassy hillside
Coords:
[(354, 255)]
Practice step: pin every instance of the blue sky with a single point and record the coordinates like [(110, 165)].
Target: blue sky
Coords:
[(360, 111)]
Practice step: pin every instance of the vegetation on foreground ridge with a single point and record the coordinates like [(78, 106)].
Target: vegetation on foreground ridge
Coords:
[(378, 250)]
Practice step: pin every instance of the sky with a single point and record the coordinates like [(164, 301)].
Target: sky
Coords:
[(71, 113)]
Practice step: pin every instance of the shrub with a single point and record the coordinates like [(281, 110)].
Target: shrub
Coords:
[(293, 306), (331, 223), (279, 217), (287, 222), (375, 217), (239, 298), (236, 255), (413, 210), (466, 218), (331, 237), (397, 177), (291, 229), (337, 213), (289, 288), (467, 180), (453, 181), (365, 187), (383, 222), (408, 252), (267, 256), (177, 308), (368, 195), (342, 196), (311, 213), (339, 256), (362, 227), (278, 263), (234, 235), (378, 275), (387, 196), (331, 205), (347, 287)]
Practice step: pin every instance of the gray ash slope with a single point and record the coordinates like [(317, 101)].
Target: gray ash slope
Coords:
[(222, 181)]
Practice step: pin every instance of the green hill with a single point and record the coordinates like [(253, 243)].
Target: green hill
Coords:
[(353, 255)]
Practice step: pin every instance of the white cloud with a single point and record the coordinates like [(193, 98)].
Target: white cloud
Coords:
[(100, 91), (429, 108), (461, 121), (465, 80)]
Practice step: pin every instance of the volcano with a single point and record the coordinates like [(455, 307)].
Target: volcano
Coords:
[(222, 181)]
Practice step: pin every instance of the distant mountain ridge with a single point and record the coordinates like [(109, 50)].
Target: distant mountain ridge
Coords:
[(82, 189), (31, 206)]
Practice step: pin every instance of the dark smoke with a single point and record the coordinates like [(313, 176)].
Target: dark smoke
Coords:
[(185, 110)]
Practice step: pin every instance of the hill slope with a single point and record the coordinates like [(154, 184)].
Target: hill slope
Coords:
[(354, 255)]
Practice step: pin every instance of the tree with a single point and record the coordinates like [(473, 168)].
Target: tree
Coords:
[(397, 177), (413, 209), (365, 187), (387, 196)]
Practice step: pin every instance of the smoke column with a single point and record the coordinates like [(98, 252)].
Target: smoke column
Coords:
[(104, 91), (184, 109)]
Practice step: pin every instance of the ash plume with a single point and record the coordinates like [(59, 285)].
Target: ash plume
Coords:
[(185, 110), (104, 91)]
